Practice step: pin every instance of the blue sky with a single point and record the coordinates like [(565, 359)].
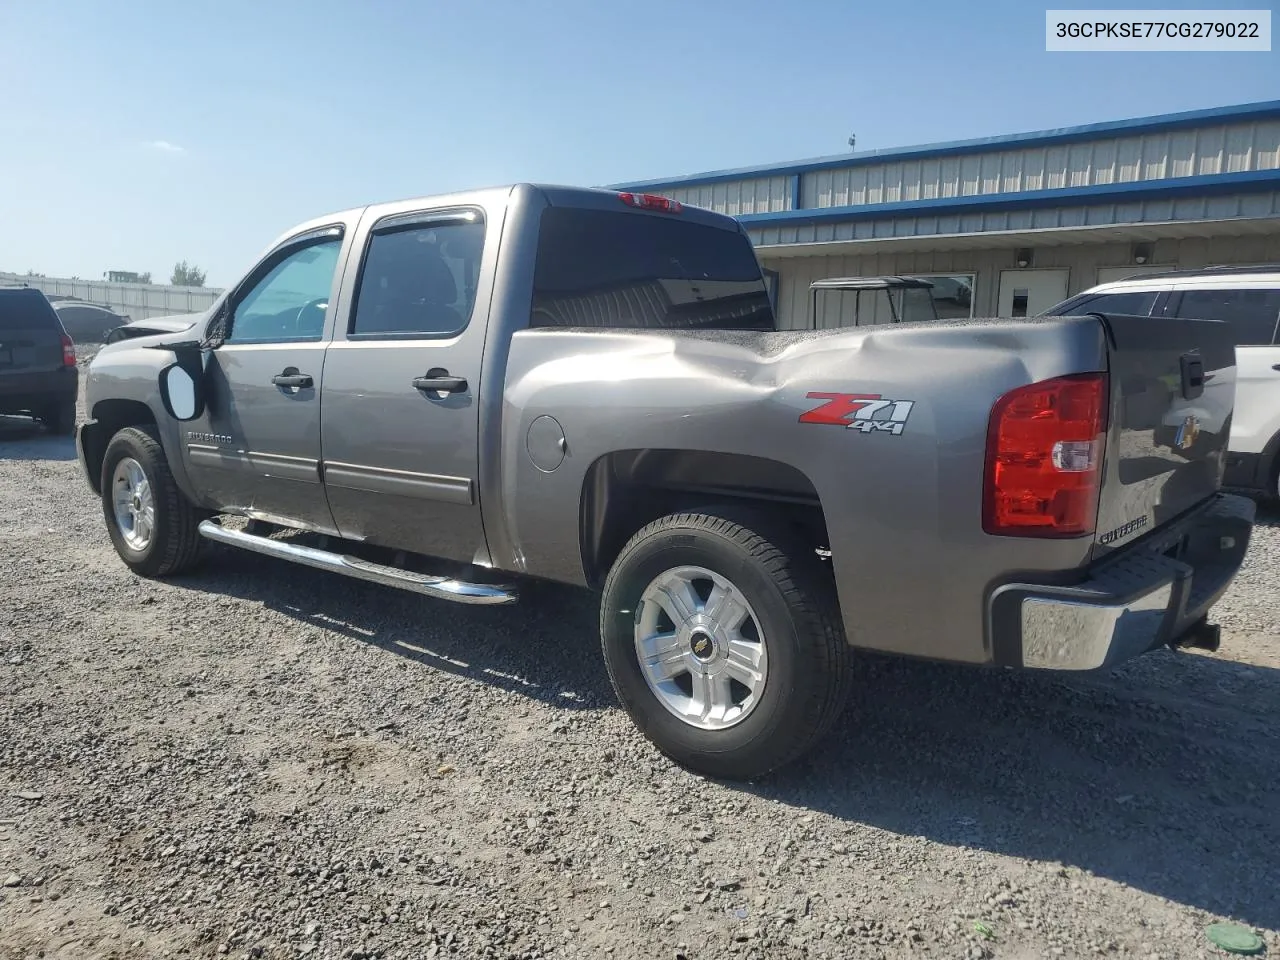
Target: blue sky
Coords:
[(139, 133)]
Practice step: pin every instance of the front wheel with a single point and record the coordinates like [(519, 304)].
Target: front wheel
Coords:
[(722, 638), (152, 525)]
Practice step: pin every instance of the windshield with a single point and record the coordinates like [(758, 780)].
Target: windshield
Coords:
[(917, 305)]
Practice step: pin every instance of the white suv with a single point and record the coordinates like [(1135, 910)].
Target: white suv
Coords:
[(1249, 299)]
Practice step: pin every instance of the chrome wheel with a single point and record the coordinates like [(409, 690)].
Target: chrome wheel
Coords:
[(701, 648), (134, 505)]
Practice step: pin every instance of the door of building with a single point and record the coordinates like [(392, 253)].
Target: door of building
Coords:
[(1025, 293)]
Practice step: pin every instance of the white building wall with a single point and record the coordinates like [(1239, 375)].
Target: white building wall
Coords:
[(1082, 260)]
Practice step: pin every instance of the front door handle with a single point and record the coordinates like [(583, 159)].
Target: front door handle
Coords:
[(439, 379), (1276, 367), (292, 378)]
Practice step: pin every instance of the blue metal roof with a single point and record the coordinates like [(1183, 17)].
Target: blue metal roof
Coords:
[(1265, 110)]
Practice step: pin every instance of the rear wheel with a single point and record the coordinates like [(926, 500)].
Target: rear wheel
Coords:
[(152, 525), (60, 419), (722, 638)]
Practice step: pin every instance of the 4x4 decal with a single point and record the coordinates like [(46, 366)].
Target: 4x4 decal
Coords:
[(868, 412)]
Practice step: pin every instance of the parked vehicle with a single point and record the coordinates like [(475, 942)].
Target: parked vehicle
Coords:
[(150, 326), (450, 394), (86, 322), (1247, 299), (38, 372), (867, 301)]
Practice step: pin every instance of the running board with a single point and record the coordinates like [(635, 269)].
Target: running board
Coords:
[(442, 588)]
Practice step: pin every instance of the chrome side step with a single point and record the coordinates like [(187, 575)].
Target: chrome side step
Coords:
[(442, 588)]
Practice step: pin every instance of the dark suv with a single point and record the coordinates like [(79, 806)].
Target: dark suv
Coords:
[(38, 374)]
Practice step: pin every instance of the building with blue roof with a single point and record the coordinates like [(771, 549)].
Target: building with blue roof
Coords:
[(1012, 224)]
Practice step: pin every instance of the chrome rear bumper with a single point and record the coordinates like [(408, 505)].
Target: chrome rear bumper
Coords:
[(1155, 593)]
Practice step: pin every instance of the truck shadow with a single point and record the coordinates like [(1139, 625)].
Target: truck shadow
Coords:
[(544, 647), (21, 438), (1159, 775)]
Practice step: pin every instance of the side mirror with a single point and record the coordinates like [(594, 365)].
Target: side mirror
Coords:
[(182, 384)]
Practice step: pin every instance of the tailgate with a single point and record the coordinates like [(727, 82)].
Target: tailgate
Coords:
[(29, 350), (1172, 383)]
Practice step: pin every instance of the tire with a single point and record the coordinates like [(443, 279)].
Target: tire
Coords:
[(791, 626), (60, 419), (173, 545)]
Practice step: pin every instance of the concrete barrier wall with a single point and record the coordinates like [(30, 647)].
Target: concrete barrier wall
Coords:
[(138, 301)]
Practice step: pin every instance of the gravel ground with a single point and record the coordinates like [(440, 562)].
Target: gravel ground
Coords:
[(269, 761)]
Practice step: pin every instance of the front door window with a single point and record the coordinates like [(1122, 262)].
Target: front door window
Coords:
[(290, 301)]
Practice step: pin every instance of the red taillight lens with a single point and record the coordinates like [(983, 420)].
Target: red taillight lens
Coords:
[(68, 351), (1044, 458), (650, 201)]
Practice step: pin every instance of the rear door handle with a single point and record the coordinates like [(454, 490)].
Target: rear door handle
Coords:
[(288, 379), (1276, 367), (440, 380)]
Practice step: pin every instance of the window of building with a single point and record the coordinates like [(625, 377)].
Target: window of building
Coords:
[(419, 280), (598, 268), (1252, 313)]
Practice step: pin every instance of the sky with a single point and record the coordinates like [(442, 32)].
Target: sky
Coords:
[(136, 134)]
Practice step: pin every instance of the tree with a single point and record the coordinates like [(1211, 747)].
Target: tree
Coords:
[(187, 275)]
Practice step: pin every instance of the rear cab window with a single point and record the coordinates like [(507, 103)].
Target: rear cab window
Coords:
[(26, 309), (1252, 313), (629, 270)]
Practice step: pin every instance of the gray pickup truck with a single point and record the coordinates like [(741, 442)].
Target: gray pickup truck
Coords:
[(451, 394)]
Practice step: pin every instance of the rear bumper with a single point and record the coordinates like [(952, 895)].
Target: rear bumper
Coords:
[(1153, 594), (35, 391)]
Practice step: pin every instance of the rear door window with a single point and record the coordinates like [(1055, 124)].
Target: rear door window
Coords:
[(26, 310), (597, 268), (1252, 313), (419, 281)]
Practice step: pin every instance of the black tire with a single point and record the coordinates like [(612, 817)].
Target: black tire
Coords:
[(174, 546), (793, 598), (60, 419)]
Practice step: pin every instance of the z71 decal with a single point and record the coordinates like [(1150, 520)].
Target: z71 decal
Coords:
[(868, 412)]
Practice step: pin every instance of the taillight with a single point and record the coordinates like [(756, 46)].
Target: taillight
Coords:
[(68, 351), (1044, 458), (650, 201)]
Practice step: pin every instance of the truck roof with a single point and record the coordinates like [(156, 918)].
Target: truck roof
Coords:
[(555, 194)]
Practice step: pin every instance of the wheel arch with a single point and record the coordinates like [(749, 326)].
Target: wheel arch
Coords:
[(106, 419), (624, 490)]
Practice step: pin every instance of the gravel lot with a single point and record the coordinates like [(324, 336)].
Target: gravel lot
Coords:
[(269, 761)]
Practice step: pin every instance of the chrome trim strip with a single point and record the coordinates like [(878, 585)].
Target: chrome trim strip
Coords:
[(403, 483), (277, 465), (441, 588)]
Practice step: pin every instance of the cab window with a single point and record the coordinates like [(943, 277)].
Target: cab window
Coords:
[(289, 302), (1253, 314), (1137, 303)]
